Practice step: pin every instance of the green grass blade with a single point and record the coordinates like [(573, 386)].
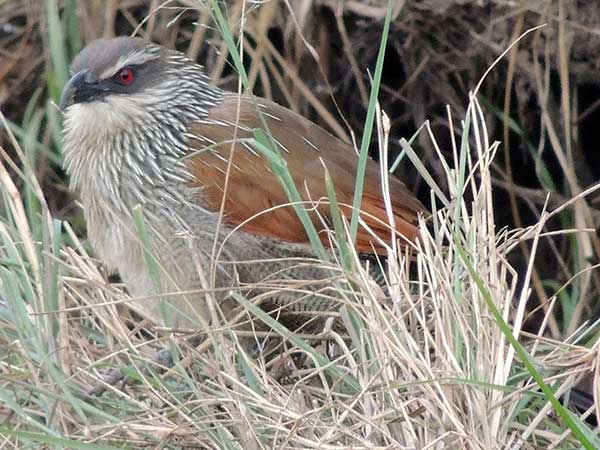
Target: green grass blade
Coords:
[(55, 440), (416, 161), (338, 225), (368, 128), (228, 38), (72, 25), (585, 437), (279, 166), (58, 54)]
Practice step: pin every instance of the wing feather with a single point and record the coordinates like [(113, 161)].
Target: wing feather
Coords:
[(253, 188)]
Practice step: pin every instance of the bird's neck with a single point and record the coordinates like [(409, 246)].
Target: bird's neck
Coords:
[(118, 159)]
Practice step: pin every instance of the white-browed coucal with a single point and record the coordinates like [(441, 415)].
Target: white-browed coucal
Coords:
[(145, 127)]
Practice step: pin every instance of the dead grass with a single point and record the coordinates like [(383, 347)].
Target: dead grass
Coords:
[(431, 369)]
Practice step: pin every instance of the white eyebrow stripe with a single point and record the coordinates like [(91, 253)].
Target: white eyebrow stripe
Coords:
[(137, 57)]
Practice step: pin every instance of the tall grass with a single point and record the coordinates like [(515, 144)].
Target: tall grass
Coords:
[(431, 366)]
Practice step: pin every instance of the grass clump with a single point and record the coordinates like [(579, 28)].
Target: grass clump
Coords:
[(431, 367)]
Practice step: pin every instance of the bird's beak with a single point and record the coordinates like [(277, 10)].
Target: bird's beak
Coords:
[(83, 86)]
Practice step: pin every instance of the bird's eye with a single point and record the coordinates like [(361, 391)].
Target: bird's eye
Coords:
[(125, 76)]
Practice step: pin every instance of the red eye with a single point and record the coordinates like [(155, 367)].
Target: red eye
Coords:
[(125, 75)]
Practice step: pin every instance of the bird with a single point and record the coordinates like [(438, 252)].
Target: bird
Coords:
[(180, 202)]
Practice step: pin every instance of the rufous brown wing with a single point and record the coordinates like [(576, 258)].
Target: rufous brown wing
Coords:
[(253, 188)]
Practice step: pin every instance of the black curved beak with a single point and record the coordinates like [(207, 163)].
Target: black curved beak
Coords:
[(82, 87)]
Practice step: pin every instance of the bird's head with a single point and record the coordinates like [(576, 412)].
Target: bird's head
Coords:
[(128, 103), (107, 68), (126, 78)]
